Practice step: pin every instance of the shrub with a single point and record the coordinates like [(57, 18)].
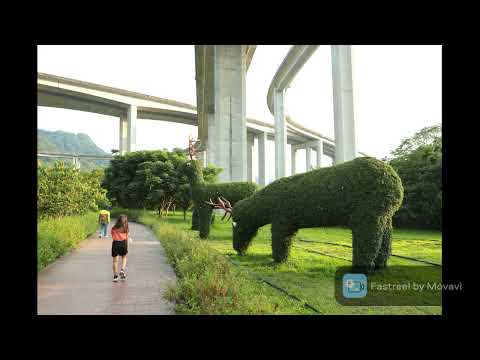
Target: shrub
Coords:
[(201, 192), (362, 194), (63, 190), (57, 236)]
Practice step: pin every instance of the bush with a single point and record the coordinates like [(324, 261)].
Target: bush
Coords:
[(207, 283), (63, 191), (58, 236), (362, 194), (201, 192)]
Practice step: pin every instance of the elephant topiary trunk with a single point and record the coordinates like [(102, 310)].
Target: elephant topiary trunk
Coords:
[(362, 194)]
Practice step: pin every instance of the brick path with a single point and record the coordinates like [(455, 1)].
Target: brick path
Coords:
[(81, 282)]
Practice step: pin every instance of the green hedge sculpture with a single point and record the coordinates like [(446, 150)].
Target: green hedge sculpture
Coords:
[(203, 192), (362, 194)]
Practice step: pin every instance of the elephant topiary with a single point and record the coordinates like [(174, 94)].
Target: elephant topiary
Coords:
[(362, 194)]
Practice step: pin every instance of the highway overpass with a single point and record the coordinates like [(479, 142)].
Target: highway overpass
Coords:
[(226, 134)]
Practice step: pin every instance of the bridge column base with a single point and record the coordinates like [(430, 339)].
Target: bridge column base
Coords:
[(122, 142), (262, 151), (320, 155), (250, 157), (294, 160), (280, 134), (308, 158), (131, 128)]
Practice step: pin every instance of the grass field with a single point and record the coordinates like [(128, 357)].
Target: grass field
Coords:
[(316, 254)]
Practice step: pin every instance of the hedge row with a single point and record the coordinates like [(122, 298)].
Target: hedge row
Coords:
[(362, 194), (56, 237)]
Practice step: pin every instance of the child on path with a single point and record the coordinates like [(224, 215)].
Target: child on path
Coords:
[(119, 246), (104, 220)]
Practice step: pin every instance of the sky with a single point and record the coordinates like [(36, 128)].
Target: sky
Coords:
[(397, 91)]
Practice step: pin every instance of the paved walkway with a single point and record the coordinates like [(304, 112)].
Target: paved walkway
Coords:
[(81, 282)]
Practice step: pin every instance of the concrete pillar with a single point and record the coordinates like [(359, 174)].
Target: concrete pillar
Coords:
[(262, 151), (227, 126), (280, 134), (294, 160), (122, 142), (250, 144), (208, 118), (320, 159), (76, 162), (308, 158), (200, 80), (344, 121), (131, 128), (202, 156)]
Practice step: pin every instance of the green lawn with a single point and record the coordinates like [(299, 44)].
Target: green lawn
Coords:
[(309, 275)]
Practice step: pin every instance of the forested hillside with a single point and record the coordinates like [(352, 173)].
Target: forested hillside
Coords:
[(69, 143)]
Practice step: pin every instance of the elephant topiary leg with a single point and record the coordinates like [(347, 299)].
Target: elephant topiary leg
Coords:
[(282, 236), (386, 246), (367, 236), (205, 216), (195, 220)]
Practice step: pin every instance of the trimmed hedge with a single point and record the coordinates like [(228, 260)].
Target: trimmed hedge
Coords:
[(58, 236), (362, 194), (201, 192)]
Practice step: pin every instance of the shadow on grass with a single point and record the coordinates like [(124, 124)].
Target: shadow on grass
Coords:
[(264, 260)]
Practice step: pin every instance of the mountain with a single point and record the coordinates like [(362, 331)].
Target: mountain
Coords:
[(69, 143)]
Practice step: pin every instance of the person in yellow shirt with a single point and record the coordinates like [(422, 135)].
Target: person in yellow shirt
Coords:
[(104, 220)]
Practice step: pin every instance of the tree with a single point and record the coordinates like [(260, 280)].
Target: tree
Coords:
[(210, 174), (184, 199), (162, 184), (418, 162), (152, 179), (427, 135), (126, 187)]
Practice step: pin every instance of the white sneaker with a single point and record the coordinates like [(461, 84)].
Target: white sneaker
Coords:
[(123, 276)]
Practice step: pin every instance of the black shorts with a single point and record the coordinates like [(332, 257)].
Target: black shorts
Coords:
[(119, 248)]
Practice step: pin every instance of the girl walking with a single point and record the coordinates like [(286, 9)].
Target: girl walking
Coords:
[(119, 246)]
